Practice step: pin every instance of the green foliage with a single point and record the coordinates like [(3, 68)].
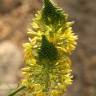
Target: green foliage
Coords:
[(47, 50), (53, 15)]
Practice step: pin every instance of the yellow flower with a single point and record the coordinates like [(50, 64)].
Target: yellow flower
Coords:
[(51, 41)]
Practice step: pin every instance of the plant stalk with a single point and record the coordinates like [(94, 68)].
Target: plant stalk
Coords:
[(17, 90)]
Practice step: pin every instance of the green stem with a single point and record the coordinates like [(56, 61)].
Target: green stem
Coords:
[(17, 90)]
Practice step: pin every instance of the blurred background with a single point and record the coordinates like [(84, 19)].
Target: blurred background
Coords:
[(16, 15)]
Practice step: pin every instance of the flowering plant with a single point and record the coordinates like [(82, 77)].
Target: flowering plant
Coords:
[(47, 54)]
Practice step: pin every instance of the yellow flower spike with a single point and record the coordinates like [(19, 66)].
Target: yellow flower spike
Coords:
[(51, 41)]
